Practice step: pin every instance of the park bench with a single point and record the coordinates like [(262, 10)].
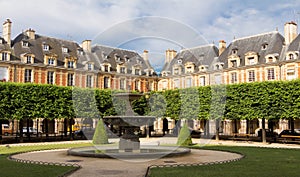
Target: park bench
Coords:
[(289, 138), (241, 137)]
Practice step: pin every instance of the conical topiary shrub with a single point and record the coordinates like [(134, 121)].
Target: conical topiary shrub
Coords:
[(184, 137), (100, 135)]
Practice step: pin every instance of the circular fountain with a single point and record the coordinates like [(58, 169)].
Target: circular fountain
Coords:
[(128, 127)]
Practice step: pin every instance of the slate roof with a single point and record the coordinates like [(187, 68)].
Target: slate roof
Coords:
[(274, 40), (201, 55), (98, 55), (4, 45), (295, 45)]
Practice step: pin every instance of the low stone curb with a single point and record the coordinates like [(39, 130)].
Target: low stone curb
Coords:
[(76, 166), (195, 164)]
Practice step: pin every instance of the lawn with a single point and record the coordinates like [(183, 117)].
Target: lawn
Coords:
[(10, 168), (259, 162)]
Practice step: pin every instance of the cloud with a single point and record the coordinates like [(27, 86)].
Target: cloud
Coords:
[(212, 20)]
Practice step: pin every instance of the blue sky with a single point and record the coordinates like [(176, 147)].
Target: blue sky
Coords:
[(174, 24)]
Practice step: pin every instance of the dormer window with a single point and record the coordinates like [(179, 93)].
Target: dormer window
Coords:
[(291, 56), (251, 58), (179, 61), (51, 61), (65, 50), (217, 67), (139, 61), (90, 66), (46, 47), (264, 47), (71, 64), (25, 44), (106, 68), (5, 56), (122, 70), (234, 51), (251, 61), (29, 59), (80, 52), (176, 71), (137, 71)]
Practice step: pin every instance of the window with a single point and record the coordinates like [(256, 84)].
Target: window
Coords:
[(25, 44), (3, 73), (28, 75), (28, 59), (89, 81), (50, 77), (51, 61), (4, 56), (189, 69), (271, 74), (290, 74), (137, 71), (106, 82), (164, 85), (176, 71), (89, 66), (122, 84), (251, 76), (137, 85), (270, 60), (106, 68), (251, 61), (45, 47), (202, 81), (123, 70), (176, 83), (233, 63), (65, 50), (70, 64), (179, 61), (291, 57), (234, 51), (188, 83), (233, 78), (80, 52), (217, 67), (264, 46), (218, 79), (70, 79)]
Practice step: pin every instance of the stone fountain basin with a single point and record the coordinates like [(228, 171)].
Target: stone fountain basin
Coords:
[(146, 152)]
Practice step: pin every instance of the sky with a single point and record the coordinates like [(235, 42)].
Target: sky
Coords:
[(154, 25)]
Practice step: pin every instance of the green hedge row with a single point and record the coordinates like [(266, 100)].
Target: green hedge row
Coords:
[(270, 100)]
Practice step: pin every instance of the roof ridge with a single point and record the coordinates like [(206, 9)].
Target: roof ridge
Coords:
[(101, 45), (58, 39), (201, 46), (256, 35)]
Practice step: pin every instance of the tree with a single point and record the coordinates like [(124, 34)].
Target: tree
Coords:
[(100, 135)]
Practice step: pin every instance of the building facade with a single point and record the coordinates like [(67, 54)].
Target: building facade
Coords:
[(35, 58)]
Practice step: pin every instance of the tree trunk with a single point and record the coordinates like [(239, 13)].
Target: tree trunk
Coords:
[(71, 130), (47, 128), (263, 131), (28, 126), (65, 127), (217, 129), (21, 130), (292, 125), (0, 131)]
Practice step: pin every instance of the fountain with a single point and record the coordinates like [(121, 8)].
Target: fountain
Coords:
[(128, 127)]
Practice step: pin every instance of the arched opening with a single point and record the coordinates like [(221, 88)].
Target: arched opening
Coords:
[(165, 126)]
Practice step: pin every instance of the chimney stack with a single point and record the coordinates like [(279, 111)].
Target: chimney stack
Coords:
[(290, 32), (222, 46), (30, 33), (7, 31), (146, 55), (170, 54), (87, 45)]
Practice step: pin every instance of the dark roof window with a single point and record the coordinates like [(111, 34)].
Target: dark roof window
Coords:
[(264, 46), (65, 50), (46, 47), (25, 44)]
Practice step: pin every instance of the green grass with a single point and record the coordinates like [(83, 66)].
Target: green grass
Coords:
[(10, 168), (259, 162)]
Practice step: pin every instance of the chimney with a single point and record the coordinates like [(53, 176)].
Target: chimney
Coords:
[(7, 31), (170, 54), (222, 46), (145, 55), (290, 32), (87, 45), (30, 33)]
